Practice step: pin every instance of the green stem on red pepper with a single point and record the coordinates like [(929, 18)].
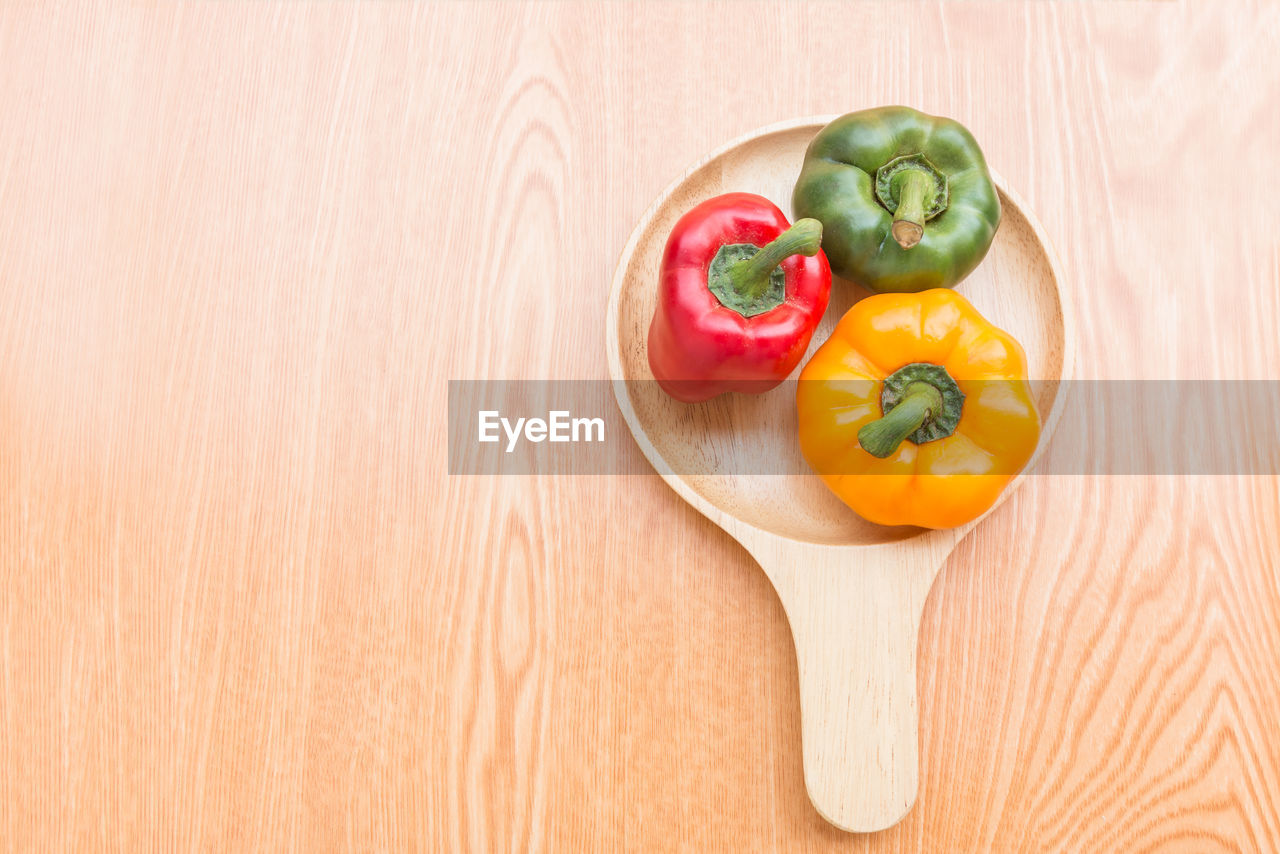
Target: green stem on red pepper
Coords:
[(751, 277), (747, 279)]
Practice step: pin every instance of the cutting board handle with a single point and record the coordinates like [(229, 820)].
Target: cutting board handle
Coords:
[(855, 620)]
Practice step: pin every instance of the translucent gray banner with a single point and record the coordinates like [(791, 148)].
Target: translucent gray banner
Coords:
[(576, 427)]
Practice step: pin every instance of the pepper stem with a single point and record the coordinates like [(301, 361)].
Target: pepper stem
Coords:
[(882, 437), (915, 194), (750, 277)]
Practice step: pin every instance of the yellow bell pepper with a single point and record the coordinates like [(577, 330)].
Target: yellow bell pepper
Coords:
[(917, 411)]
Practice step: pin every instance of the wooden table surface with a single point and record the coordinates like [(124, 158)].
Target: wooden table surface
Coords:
[(243, 606)]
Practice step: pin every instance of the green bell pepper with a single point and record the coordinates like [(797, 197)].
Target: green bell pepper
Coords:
[(895, 172)]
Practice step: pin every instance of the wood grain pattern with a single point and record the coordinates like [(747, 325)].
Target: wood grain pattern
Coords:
[(242, 248)]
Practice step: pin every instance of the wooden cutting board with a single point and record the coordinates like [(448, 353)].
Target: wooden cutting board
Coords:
[(853, 591)]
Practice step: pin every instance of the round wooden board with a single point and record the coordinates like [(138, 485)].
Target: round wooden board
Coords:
[(713, 447), (853, 591)]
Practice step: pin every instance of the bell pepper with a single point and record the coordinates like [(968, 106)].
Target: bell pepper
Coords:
[(741, 292), (917, 411), (893, 172)]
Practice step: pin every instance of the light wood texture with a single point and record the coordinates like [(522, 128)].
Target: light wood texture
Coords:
[(243, 246), (854, 614), (853, 591)]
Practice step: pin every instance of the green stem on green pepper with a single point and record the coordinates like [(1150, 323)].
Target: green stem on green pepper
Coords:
[(915, 194)]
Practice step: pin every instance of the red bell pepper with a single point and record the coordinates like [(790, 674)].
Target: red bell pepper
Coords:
[(740, 295)]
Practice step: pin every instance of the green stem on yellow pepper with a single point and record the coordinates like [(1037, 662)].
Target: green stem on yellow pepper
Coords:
[(882, 437)]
